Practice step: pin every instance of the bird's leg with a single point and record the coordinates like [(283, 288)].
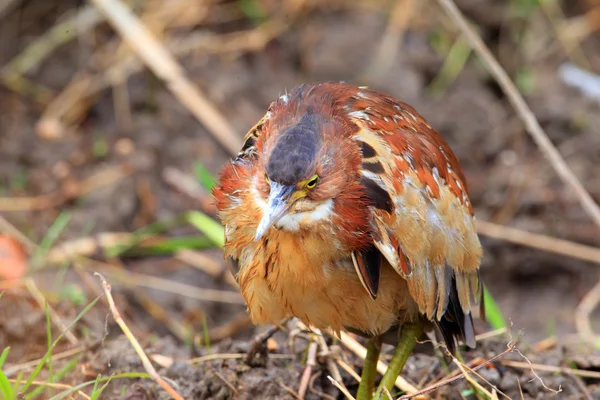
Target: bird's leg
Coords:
[(409, 335), (369, 371)]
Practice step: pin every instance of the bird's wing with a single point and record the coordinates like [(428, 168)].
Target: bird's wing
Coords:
[(422, 219)]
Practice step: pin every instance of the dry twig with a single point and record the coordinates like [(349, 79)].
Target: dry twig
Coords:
[(516, 99), (311, 362), (341, 387), (134, 342), (541, 242), (160, 61), (583, 314), (550, 368), (509, 348), (106, 177)]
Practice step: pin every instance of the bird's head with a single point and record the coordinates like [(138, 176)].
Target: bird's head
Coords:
[(306, 161)]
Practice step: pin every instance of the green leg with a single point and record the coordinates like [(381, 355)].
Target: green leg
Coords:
[(409, 335), (369, 371)]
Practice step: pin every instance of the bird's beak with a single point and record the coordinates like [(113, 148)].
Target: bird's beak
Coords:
[(278, 204)]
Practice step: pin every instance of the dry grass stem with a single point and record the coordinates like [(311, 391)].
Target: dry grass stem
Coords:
[(55, 357), (289, 390), (134, 342), (516, 99), (550, 368), (583, 314), (234, 356), (540, 242), (154, 282), (43, 303), (188, 185), (509, 348), (391, 42), (237, 323), (536, 375), (160, 61), (341, 387), (205, 264), (349, 370), (491, 334), (311, 362), (226, 382), (106, 177), (51, 385), (467, 372)]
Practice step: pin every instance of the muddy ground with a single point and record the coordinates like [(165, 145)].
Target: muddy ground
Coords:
[(510, 182)]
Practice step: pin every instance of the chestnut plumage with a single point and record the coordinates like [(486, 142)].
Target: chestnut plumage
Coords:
[(344, 208)]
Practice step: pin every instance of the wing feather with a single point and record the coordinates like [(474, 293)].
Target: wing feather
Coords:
[(428, 233)]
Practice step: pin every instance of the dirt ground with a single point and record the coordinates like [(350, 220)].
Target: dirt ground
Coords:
[(108, 168)]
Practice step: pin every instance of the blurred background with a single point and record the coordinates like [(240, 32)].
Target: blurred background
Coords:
[(104, 167)]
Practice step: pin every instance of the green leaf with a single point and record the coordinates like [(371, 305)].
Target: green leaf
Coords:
[(525, 80), (492, 311), (205, 224), (58, 226), (39, 367), (3, 356), (127, 375), (5, 387), (253, 10), (453, 64), (207, 180)]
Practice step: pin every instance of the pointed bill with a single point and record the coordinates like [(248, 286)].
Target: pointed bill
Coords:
[(278, 204)]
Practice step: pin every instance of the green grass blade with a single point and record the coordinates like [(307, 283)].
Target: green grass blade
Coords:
[(56, 377), (98, 391), (206, 179), (453, 64), (145, 233), (18, 381), (49, 343), (39, 367), (253, 10), (169, 246), (57, 227), (96, 383), (127, 375), (3, 356), (492, 311), (5, 387), (205, 224)]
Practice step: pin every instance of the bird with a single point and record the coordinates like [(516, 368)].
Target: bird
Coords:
[(345, 209)]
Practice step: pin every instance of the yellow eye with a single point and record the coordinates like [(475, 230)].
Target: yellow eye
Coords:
[(312, 182)]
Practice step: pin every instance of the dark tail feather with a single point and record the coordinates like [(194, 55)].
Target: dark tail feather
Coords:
[(455, 325)]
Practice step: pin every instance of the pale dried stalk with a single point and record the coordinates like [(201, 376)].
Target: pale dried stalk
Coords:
[(533, 127), (134, 342), (550, 368), (537, 241), (583, 314), (524, 112), (162, 63)]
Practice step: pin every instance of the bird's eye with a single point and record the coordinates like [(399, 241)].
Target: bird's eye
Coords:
[(312, 182), (267, 179)]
